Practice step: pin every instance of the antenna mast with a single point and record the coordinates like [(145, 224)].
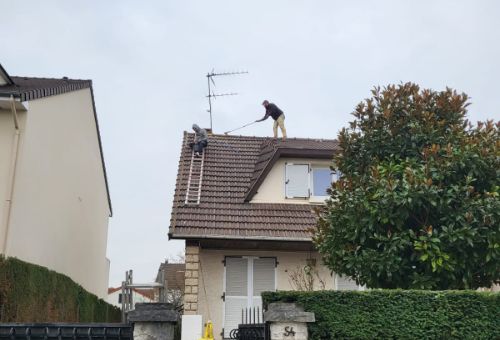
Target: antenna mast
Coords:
[(211, 94)]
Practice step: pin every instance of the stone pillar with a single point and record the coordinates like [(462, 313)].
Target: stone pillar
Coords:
[(191, 285), (153, 321), (288, 321)]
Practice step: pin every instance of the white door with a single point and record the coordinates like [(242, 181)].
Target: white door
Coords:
[(245, 279)]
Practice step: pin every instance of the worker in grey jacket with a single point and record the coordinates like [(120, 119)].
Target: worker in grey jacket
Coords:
[(200, 140)]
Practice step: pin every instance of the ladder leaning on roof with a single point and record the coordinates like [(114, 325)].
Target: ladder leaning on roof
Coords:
[(193, 190)]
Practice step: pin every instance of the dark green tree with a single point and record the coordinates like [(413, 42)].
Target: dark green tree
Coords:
[(417, 204)]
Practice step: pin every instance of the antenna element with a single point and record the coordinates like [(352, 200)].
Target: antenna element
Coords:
[(211, 94)]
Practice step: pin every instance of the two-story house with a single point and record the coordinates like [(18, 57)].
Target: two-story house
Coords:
[(246, 211), (54, 195)]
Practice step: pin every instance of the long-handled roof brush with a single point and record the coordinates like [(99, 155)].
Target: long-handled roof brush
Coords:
[(241, 127)]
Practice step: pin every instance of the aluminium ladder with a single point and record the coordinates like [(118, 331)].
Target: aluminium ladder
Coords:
[(193, 190)]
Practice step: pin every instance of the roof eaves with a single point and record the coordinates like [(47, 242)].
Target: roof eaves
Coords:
[(233, 237), (180, 171), (101, 150), (52, 91)]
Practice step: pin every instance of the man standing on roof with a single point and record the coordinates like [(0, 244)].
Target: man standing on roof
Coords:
[(278, 116), (200, 140)]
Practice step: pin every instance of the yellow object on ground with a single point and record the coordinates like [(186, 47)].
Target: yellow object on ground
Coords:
[(208, 333)]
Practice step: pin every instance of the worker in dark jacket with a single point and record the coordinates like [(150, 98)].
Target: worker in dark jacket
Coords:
[(200, 140), (278, 116)]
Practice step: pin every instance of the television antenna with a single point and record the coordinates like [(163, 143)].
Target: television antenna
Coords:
[(211, 94)]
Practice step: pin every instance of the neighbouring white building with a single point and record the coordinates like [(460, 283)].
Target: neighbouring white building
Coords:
[(53, 185)]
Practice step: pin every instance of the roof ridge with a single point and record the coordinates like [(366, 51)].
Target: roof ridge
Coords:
[(265, 138), (47, 78)]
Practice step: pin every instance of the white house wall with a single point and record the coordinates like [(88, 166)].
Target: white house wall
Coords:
[(60, 210), (211, 278)]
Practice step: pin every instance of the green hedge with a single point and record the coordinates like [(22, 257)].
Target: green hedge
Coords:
[(31, 293), (398, 314)]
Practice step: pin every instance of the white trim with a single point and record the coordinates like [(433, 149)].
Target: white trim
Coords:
[(275, 274), (250, 280)]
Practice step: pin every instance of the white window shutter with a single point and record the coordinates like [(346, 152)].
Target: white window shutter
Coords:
[(232, 312), (297, 180), (236, 295), (263, 275), (236, 276)]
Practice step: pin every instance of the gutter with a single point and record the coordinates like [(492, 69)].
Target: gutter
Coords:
[(12, 177)]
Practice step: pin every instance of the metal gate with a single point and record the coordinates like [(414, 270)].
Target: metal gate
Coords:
[(66, 331), (252, 326)]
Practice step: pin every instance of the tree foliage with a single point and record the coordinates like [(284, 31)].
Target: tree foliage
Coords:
[(417, 205)]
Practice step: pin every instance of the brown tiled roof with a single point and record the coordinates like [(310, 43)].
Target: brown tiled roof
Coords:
[(29, 88), (174, 275), (148, 293), (111, 290), (233, 167)]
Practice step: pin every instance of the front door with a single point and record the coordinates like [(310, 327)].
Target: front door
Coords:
[(246, 278)]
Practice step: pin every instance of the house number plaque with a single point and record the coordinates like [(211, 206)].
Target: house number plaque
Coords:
[(289, 331)]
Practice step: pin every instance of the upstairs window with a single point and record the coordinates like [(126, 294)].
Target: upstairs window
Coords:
[(321, 180), (306, 181)]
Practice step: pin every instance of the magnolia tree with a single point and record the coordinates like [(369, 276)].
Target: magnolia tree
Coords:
[(417, 205)]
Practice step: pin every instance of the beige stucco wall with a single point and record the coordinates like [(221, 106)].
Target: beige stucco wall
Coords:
[(60, 212), (272, 189), (210, 304)]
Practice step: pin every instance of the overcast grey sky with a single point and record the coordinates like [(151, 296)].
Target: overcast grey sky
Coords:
[(315, 59)]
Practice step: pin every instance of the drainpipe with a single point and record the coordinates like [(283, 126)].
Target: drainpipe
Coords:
[(12, 177)]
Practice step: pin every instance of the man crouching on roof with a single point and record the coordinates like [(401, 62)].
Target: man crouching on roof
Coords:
[(200, 140)]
